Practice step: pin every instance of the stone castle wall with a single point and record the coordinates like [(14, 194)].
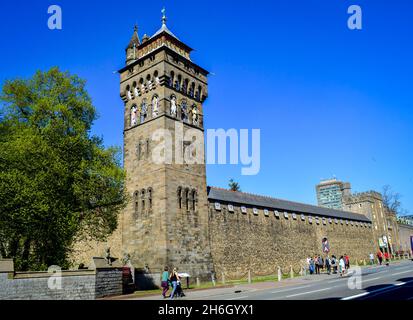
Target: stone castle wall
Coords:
[(405, 232), (241, 242), (75, 285)]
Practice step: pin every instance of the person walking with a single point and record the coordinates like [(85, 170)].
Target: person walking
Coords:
[(164, 281), (347, 261), (371, 256), (380, 257), (334, 263), (342, 266), (312, 266), (317, 265), (174, 278), (328, 265), (387, 258)]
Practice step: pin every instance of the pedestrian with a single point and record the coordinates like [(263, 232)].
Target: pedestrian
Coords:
[(174, 278), (328, 265), (312, 266), (334, 263), (165, 281), (321, 263), (386, 257), (317, 265), (347, 261), (380, 257), (342, 266), (371, 256)]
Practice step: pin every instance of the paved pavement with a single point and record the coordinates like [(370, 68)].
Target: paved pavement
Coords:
[(394, 282)]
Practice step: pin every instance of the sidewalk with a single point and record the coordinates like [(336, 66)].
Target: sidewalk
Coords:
[(247, 287)]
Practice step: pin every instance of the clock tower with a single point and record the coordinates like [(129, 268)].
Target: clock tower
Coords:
[(166, 220)]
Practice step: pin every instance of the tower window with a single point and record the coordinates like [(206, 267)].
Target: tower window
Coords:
[(194, 200), (136, 202), (192, 89), (187, 199), (180, 197), (150, 198), (171, 79), (143, 200)]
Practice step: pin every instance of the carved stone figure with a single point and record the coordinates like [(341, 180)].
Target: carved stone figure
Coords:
[(173, 106), (184, 111), (134, 119), (195, 118), (157, 81), (150, 85), (143, 88), (129, 95), (155, 106), (136, 92)]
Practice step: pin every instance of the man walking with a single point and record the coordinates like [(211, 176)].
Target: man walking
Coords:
[(328, 265)]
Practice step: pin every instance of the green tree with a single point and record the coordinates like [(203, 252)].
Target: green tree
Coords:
[(234, 186), (58, 183)]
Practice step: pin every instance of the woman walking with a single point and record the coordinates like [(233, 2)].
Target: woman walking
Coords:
[(342, 266), (164, 281), (174, 278)]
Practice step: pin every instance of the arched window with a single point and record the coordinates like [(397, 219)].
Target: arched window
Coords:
[(171, 79), (128, 92), (136, 202), (156, 78), (178, 83), (144, 110), (198, 93), (187, 199), (143, 200), (179, 194), (185, 86), (194, 200), (192, 89), (150, 198), (147, 148)]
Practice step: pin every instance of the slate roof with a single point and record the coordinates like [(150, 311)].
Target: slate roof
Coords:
[(242, 198)]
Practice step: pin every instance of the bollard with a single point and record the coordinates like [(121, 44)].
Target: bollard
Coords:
[(198, 282), (291, 272), (223, 278), (249, 276), (279, 274)]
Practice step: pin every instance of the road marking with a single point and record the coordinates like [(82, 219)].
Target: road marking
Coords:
[(337, 280), (395, 274), (356, 296), (371, 279), (237, 298), (296, 288), (388, 288), (308, 292)]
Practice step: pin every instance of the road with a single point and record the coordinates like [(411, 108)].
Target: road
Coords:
[(394, 282)]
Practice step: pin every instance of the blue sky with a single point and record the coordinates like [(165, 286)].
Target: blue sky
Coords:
[(328, 100)]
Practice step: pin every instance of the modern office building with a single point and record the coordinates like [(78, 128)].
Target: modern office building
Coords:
[(330, 193)]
